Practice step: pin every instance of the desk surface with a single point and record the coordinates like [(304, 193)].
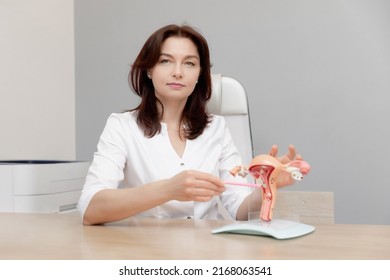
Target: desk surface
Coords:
[(62, 236)]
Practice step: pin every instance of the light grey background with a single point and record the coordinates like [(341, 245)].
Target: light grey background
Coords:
[(37, 80), (317, 73)]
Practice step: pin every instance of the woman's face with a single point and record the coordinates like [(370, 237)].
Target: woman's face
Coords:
[(177, 71)]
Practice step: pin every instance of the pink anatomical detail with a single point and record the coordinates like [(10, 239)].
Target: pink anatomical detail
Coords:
[(263, 175), (266, 169)]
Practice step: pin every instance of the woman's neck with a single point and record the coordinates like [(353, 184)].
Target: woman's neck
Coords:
[(175, 128), (172, 114)]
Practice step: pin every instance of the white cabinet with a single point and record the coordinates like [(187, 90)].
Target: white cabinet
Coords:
[(41, 186)]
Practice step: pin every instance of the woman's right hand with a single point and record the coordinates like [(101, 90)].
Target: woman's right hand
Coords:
[(193, 185), (115, 204)]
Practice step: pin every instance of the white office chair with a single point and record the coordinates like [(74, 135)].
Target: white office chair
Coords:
[(229, 100)]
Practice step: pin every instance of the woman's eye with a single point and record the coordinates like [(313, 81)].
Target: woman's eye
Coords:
[(164, 61), (190, 63)]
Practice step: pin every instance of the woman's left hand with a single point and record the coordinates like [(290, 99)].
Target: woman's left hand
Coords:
[(285, 178)]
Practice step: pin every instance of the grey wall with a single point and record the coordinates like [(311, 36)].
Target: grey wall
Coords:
[(317, 73)]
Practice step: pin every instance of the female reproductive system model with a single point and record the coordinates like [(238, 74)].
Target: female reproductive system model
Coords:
[(266, 169)]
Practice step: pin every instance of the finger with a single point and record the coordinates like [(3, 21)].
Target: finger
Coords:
[(208, 178), (274, 151), (202, 198), (212, 188), (291, 152), (199, 176), (204, 193)]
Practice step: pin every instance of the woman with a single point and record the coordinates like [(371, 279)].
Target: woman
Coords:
[(167, 157)]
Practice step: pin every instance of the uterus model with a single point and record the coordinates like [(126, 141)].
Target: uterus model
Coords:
[(266, 170)]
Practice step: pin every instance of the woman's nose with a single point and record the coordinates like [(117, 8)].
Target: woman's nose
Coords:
[(177, 71)]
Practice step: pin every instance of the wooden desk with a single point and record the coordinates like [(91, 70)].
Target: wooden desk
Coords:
[(62, 236)]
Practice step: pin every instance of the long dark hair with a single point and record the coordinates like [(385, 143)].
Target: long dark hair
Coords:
[(194, 116)]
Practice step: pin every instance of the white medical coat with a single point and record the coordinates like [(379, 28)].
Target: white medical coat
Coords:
[(125, 158)]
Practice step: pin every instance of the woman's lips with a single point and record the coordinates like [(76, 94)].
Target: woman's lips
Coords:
[(176, 85)]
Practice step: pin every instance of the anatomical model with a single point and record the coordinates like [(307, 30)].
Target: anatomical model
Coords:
[(266, 169)]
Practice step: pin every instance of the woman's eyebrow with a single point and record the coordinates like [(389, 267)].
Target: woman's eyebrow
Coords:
[(186, 57)]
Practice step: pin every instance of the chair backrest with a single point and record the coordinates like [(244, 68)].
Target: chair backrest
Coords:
[(229, 99)]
